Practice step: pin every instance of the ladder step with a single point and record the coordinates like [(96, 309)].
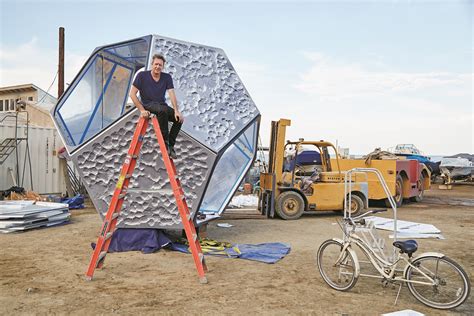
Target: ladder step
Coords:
[(108, 235), (132, 156), (121, 196), (115, 215), (101, 256), (128, 176)]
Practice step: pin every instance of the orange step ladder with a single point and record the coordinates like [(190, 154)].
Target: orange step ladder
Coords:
[(110, 221)]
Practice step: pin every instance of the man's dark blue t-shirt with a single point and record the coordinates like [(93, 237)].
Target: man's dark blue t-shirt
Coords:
[(151, 90)]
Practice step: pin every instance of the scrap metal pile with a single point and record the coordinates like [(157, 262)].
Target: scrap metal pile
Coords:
[(18, 216)]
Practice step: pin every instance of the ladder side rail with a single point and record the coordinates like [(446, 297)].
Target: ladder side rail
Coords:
[(116, 202), (125, 178), (183, 209)]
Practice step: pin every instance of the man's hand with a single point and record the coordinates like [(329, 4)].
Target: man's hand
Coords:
[(178, 116), (145, 113)]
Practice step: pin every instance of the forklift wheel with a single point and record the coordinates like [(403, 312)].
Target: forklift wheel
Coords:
[(357, 205), (290, 205)]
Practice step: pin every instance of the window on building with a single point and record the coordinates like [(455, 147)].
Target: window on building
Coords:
[(12, 105), (7, 105), (30, 98), (1, 105)]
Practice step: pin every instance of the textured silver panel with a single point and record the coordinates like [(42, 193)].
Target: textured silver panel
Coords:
[(211, 96), (150, 201)]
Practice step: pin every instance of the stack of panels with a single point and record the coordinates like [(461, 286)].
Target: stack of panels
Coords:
[(23, 215)]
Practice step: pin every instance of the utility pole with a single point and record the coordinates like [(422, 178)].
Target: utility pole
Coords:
[(61, 63), (62, 161)]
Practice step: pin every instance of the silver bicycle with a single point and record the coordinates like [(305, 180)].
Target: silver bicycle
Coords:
[(432, 278)]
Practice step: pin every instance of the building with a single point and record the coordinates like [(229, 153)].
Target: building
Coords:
[(31, 94), (28, 97), (33, 162)]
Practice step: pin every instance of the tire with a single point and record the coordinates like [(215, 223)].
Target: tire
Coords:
[(398, 193), (357, 205), (341, 277), (421, 192), (290, 205), (449, 293)]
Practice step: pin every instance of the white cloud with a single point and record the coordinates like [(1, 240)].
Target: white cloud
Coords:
[(29, 63), (363, 109), (330, 79)]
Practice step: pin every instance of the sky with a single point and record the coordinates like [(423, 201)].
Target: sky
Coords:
[(362, 74)]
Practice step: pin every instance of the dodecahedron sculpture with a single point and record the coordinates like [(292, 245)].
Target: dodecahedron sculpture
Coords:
[(215, 148)]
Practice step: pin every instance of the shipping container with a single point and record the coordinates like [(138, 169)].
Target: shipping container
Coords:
[(46, 174)]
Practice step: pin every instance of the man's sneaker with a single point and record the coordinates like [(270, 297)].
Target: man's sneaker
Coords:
[(172, 153)]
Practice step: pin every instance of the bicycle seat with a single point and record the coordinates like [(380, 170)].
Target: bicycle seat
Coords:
[(407, 246)]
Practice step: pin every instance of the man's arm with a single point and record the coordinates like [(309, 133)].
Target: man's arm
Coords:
[(174, 102), (138, 104)]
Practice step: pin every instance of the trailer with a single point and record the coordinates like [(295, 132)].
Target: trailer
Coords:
[(406, 179)]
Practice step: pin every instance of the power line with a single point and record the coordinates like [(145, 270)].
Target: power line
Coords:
[(47, 91)]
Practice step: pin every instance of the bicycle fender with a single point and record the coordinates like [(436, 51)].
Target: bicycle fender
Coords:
[(424, 254), (353, 254)]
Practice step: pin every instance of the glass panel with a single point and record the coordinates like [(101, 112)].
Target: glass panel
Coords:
[(228, 173), (80, 104), (111, 104), (135, 52), (98, 95), (249, 136)]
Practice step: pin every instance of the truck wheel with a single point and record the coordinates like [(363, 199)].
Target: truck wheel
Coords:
[(421, 192), (398, 193), (290, 205), (357, 205)]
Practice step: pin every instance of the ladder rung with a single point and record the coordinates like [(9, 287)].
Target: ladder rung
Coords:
[(128, 176), (132, 156), (115, 215), (195, 237), (101, 256), (121, 196), (108, 235)]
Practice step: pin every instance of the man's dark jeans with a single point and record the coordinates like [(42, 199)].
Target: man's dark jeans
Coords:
[(165, 114)]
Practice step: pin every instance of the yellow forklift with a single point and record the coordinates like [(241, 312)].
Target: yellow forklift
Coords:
[(291, 192)]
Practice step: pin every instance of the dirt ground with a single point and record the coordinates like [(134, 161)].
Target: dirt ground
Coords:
[(42, 271)]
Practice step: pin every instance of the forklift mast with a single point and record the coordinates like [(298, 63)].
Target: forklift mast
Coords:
[(277, 145)]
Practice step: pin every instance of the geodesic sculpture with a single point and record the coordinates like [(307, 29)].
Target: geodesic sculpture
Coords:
[(215, 147)]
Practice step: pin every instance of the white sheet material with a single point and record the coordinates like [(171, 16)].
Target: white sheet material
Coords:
[(406, 229), (24, 215), (405, 312), (243, 200)]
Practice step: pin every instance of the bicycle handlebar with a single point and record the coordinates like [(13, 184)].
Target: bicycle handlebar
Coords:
[(360, 218)]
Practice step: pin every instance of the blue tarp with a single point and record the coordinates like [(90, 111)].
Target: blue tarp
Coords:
[(267, 252), (75, 202), (149, 240), (145, 240)]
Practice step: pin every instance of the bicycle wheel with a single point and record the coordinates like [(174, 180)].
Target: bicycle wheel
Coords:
[(340, 275), (451, 286)]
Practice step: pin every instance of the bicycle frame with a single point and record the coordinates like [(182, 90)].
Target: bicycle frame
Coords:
[(380, 264), (386, 269)]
